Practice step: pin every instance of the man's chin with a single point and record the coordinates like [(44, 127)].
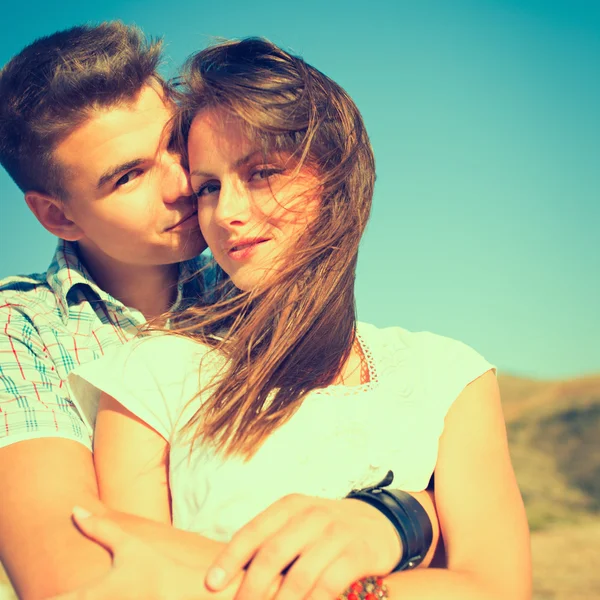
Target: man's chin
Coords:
[(191, 248)]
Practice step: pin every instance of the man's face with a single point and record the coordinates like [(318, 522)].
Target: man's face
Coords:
[(128, 194)]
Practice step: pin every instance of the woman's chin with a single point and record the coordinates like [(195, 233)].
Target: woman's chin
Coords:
[(248, 280)]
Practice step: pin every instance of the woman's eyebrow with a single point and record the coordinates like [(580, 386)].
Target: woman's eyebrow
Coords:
[(240, 162)]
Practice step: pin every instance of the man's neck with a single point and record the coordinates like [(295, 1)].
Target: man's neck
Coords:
[(151, 289)]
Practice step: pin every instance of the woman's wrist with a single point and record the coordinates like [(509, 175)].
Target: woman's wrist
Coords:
[(368, 588), (409, 518)]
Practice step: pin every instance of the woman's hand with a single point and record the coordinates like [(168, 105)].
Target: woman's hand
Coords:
[(328, 543)]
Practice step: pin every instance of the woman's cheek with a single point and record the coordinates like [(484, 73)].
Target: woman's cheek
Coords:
[(204, 219)]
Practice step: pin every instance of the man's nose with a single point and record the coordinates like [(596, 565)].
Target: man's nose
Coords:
[(176, 179)]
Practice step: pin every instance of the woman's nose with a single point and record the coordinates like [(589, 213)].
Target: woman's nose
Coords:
[(234, 205)]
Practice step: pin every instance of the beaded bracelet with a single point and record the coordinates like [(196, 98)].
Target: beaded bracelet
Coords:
[(368, 588)]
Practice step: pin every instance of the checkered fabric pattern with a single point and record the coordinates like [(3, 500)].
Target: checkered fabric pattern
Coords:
[(49, 324)]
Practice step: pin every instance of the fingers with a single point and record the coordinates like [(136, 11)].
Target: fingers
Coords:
[(284, 547), (99, 529), (309, 572), (337, 577), (326, 544), (246, 542)]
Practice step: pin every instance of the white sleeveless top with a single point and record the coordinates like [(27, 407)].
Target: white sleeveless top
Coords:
[(341, 438)]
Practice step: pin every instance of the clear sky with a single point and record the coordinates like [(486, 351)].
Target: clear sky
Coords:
[(485, 120)]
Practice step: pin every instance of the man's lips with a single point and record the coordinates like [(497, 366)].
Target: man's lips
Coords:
[(184, 220)]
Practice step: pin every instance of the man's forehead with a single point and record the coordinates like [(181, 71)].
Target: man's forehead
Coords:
[(149, 105), (118, 133)]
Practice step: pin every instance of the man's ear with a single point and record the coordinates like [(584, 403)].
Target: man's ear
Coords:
[(50, 212)]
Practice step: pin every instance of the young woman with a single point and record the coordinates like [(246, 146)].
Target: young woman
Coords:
[(275, 390)]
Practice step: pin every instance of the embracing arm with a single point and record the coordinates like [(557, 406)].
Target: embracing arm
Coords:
[(41, 550), (42, 479), (481, 512), (45, 468)]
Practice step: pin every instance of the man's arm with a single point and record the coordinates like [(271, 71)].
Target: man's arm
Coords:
[(42, 551), (43, 554), (46, 468)]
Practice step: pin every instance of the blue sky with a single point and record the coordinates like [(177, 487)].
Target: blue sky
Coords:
[(485, 120)]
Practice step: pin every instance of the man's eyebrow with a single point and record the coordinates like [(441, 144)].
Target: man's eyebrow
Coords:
[(240, 162), (110, 173)]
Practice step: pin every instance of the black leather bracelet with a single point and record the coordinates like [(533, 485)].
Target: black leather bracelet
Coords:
[(406, 514)]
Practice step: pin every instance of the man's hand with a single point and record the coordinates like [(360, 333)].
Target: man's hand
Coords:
[(139, 569), (328, 543)]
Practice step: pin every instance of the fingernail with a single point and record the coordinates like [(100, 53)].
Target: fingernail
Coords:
[(215, 578), (81, 513)]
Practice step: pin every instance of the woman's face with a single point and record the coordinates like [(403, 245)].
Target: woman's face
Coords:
[(251, 210)]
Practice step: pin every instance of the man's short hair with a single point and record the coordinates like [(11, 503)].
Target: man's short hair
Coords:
[(54, 84)]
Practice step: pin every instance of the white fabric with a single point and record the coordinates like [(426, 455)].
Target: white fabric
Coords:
[(340, 438)]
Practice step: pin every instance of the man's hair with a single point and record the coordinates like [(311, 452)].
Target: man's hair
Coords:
[(53, 85)]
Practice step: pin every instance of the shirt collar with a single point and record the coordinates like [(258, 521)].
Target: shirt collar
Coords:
[(67, 271)]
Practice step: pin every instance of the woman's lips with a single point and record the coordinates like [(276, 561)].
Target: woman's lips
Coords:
[(243, 249)]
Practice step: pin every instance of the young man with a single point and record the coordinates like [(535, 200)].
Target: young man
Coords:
[(84, 132)]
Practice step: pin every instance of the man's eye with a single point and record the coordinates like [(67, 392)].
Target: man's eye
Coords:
[(207, 189), (128, 177), (265, 173)]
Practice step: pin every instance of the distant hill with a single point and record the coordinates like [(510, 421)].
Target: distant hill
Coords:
[(554, 437), (565, 562)]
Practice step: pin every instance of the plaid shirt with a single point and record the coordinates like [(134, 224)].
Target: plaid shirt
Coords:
[(49, 324)]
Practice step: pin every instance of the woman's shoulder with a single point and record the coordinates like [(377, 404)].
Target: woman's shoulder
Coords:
[(435, 359), (416, 342), (162, 351), (159, 354), (157, 373)]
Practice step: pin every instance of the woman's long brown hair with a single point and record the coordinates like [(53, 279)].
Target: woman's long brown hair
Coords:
[(293, 334)]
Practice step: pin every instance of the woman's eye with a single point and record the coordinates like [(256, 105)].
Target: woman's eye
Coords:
[(207, 189), (128, 177), (265, 173)]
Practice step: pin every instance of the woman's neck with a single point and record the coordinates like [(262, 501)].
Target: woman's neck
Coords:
[(355, 371)]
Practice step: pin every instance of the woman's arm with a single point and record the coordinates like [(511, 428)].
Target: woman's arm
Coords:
[(480, 509), (131, 461), (132, 469)]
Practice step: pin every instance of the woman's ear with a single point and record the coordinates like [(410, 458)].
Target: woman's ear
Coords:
[(50, 212)]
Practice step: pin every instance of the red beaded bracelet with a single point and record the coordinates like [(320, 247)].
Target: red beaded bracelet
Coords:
[(368, 588)]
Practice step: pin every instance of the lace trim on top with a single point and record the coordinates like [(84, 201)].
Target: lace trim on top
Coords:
[(350, 390)]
